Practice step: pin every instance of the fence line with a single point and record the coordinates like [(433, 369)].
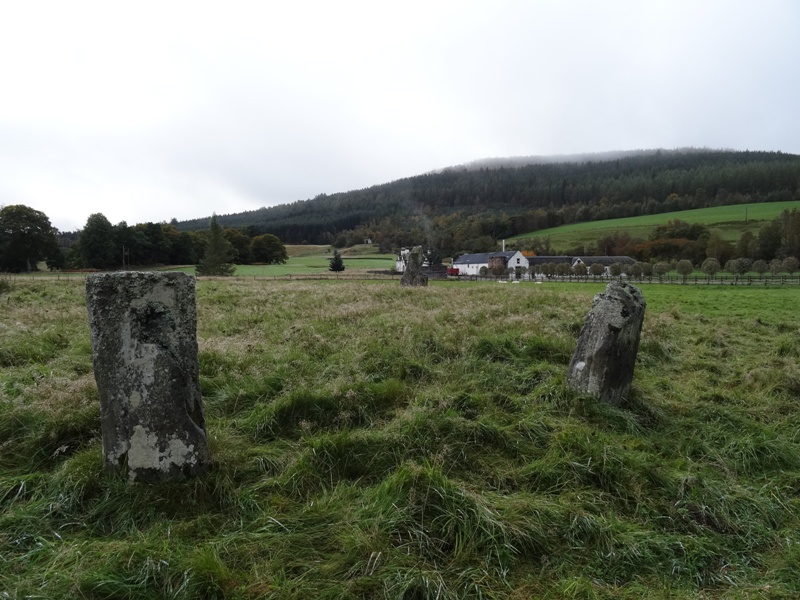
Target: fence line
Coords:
[(664, 280)]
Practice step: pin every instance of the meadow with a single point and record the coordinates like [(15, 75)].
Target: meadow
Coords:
[(312, 259), (372, 441), (729, 221)]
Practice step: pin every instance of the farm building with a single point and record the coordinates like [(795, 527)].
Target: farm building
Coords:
[(470, 264)]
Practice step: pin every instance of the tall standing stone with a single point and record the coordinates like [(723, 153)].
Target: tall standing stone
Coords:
[(413, 275), (602, 365), (144, 350)]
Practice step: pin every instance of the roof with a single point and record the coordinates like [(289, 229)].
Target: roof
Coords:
[(482, 257), (472, 258), (542, 260), (606, 261)]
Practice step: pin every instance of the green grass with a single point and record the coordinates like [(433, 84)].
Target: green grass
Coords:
[(371, 441), (303, 260), (729, 221), (311, 260)]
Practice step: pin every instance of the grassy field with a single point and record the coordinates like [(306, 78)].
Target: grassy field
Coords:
[(308, 260), (728, 220), (303, 260), (377, 442)]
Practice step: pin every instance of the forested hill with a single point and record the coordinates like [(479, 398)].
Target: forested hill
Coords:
[(468, 208)]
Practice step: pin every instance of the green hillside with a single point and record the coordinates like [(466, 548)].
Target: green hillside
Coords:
[(470, 208), (729, 221)]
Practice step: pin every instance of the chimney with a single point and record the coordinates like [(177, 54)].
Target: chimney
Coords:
[(504, 245)]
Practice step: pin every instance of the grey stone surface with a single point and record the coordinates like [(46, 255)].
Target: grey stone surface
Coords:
[(603, 362), (413, 275), (144, 350)]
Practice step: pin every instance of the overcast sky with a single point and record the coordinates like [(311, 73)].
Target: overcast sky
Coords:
[(146, 111)]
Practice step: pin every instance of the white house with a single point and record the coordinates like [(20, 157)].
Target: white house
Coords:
[(470, 264)]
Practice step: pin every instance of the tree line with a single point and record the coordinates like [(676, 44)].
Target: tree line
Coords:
[(27, 237)]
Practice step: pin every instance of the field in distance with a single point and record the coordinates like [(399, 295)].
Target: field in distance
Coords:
[(728, 220), (315, 259)]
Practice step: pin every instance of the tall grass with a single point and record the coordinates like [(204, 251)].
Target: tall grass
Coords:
[(377, 442)]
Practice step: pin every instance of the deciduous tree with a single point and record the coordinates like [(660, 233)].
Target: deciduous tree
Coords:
[(579, 269), (790, 264), (719, 248), (241, 245), (636, 270), (660, 269), (597, 269), (26, 237), (760, 267), (268, 249), (96, 245), (684, 268), (563, 269), (710, 267)]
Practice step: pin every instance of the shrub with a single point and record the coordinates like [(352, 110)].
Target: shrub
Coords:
[(710, 267)]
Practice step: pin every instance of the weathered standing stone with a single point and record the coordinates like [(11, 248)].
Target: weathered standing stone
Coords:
[(602, 365), (413, 275), (144, 350)]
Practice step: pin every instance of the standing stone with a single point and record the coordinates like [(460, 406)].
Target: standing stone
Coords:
[(602, 365), (413, 275), (144, 350)]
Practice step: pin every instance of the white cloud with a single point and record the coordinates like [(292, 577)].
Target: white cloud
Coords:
[(153, 110)]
